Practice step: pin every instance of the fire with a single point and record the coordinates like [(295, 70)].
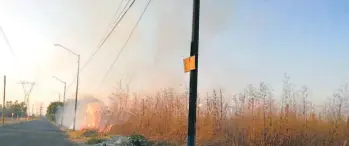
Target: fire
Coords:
[(92, 117)]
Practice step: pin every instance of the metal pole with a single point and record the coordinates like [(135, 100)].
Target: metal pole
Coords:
[(32, 110), (40, 110), (194, 51), (65, 87), (3, 102), (76, 93)]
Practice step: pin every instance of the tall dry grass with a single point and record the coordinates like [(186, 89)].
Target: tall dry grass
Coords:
[(251, 117)]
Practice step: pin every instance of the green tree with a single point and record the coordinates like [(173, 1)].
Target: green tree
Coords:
[(17, 108), (52, 109)]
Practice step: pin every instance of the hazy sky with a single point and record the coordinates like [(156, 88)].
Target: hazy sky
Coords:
[(241, 42)]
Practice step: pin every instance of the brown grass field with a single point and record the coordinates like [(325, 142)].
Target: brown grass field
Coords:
[(13, 121), (249, 118)]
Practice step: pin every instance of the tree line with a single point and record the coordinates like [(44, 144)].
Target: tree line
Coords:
[(17, 108), (52, 109)]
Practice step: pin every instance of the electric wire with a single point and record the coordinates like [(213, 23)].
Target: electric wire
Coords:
[(106, 38), (7, 42), (124, 46)]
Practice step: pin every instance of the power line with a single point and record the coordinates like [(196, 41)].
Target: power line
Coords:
[(128, 2), (116, 22), (123, 47), (115, 16), (7, 42), (109, 34), (106, 38)]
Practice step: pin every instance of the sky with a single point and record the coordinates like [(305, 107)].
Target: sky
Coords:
[(241, 42)]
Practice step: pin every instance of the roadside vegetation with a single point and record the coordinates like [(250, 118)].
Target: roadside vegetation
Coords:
[(52, 109), (17, 108), (14, 112), (255, 116)]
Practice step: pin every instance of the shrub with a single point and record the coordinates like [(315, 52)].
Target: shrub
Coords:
[(90, 133), (51, 117), (95, 140), (138, 140)]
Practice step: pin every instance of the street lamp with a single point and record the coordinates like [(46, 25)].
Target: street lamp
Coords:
[(65, 88), (77, 80)]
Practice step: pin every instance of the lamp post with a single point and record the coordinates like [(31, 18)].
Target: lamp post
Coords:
[(77, 80), (65, 88)]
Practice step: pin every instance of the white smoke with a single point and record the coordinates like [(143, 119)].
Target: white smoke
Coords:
[(65, 114)]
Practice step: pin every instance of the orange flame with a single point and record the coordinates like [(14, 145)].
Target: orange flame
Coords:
[(92, 117)]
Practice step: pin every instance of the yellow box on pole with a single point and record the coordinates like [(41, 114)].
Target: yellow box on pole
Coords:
[(189, 64)]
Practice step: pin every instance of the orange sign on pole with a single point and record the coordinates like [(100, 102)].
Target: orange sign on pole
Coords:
[(189, 64)]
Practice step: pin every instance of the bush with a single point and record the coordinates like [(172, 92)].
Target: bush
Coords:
[(138, 140), (90, 133), (51, 117), (95, 140)]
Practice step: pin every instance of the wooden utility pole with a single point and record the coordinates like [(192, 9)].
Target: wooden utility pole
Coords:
[(3, 102), (194, 52)]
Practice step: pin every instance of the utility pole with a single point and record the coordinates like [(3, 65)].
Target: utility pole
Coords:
[(27, 93), (76, 92), (65, 88), (194, 51), (3, 102)]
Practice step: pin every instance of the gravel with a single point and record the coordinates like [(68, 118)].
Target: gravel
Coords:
[(113, 141)]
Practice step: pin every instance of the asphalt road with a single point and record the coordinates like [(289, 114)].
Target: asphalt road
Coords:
[(34, 133)]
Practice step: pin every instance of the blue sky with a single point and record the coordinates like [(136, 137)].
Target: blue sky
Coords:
[(306, 39), (241, 42)]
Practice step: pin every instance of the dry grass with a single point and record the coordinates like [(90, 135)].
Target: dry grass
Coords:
[(251, 118), (79, 136), (12, 121)]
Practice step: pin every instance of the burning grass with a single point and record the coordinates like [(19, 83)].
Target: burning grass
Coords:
[(86, 136), (90, 115), (251, 117)]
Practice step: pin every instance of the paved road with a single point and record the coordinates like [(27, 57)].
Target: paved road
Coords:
[(33, 133)]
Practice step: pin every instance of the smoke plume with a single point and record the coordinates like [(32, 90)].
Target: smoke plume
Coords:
[(65, 115), (171, 36)]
